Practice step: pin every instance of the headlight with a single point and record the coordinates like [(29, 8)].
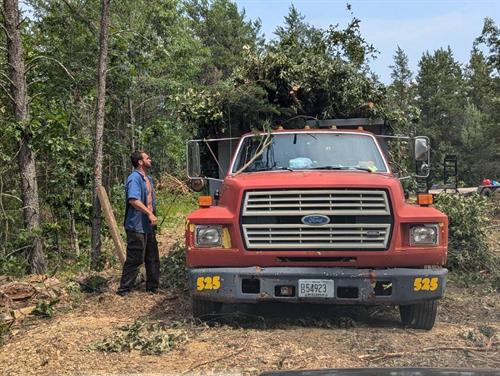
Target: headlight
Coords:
[(424, 235), (208, 236)]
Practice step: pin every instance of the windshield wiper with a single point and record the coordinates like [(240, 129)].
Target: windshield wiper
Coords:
[(360, 168), (269, 169), (341, 168), (327, 168)]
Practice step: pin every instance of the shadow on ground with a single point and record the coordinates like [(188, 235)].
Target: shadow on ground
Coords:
[(273, 315)]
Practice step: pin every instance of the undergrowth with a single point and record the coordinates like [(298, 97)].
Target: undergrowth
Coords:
[(172, 208), (45, 308), (173, 272), (13, 265), (148, 338), (94, 284), (471, 257)]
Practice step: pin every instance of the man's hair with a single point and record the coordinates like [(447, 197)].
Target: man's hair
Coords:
[(135, 157)]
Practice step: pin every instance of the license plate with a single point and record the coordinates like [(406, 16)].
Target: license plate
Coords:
[(316, 288)]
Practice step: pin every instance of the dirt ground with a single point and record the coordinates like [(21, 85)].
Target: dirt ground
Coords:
[(270, 337)]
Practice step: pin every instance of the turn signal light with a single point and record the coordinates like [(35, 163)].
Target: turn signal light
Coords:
[(424, 199), (205, 201)]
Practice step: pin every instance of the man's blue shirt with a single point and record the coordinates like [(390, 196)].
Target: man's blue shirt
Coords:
[(135, 188)]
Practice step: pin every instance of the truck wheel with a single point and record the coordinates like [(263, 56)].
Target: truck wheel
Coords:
[(419, 316), (486, 192), (204, 308)]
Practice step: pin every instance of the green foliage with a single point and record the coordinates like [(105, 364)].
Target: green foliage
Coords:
[(494, 206), (480, 133), (168, 156), (173, 269), (403, 113), (179, 69), (45, 308), (402, 110), (441, 91), (68, 262), (306, 71), (149, 338), (94, 284), (490, 37), (173, 207), (468, 248), (460, 108), (225, 33), (73, 289), (13, 265), (319, 73)]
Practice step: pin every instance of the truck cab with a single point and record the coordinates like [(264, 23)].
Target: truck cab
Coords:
[(316, 215)]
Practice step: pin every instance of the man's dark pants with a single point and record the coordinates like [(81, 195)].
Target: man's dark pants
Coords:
[(141, 248)]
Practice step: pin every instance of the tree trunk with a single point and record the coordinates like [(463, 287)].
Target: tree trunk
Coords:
[(98, 141), (124, 169), (26, 156), (132, 122), (73, 233)]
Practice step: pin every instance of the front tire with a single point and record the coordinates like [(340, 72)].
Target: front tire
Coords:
[(486, 192), (420, 315), (204, 308)]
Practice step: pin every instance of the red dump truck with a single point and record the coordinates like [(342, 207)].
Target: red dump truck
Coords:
[(316, 215)]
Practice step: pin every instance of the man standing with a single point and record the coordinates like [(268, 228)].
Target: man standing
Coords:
[(140, 223)]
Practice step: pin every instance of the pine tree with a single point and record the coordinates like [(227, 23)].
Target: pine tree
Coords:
[(401, 88), (441, 98), (480, 131)]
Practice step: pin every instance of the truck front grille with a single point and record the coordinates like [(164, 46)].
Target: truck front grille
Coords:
[(334, 202), (358, 219), (346, 236)]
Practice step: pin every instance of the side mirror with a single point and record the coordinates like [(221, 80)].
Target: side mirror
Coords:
[(422, 156), (193, 160), (422, 149)]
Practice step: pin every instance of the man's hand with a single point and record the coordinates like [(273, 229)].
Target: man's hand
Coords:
[(153, 219), (142, 208)]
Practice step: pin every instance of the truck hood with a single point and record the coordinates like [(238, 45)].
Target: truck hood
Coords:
[(304, 179), (235, 185)]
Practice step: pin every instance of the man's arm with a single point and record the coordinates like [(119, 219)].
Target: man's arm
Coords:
[(142, 208)]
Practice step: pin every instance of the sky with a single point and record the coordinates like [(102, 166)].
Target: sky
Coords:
[(416, 26)]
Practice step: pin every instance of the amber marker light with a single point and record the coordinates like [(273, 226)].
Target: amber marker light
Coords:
[(205, 201), (424, 199)]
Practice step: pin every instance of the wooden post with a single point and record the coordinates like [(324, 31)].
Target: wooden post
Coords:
[(110, 218)]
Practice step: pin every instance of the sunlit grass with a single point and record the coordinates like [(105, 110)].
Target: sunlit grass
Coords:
[(173, 208)]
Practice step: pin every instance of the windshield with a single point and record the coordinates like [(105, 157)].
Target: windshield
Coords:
[(310, 151)]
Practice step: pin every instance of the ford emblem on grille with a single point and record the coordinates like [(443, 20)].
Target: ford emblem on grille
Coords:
[(315, 220)]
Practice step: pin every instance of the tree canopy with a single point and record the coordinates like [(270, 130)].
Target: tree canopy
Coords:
[(183, 68)]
